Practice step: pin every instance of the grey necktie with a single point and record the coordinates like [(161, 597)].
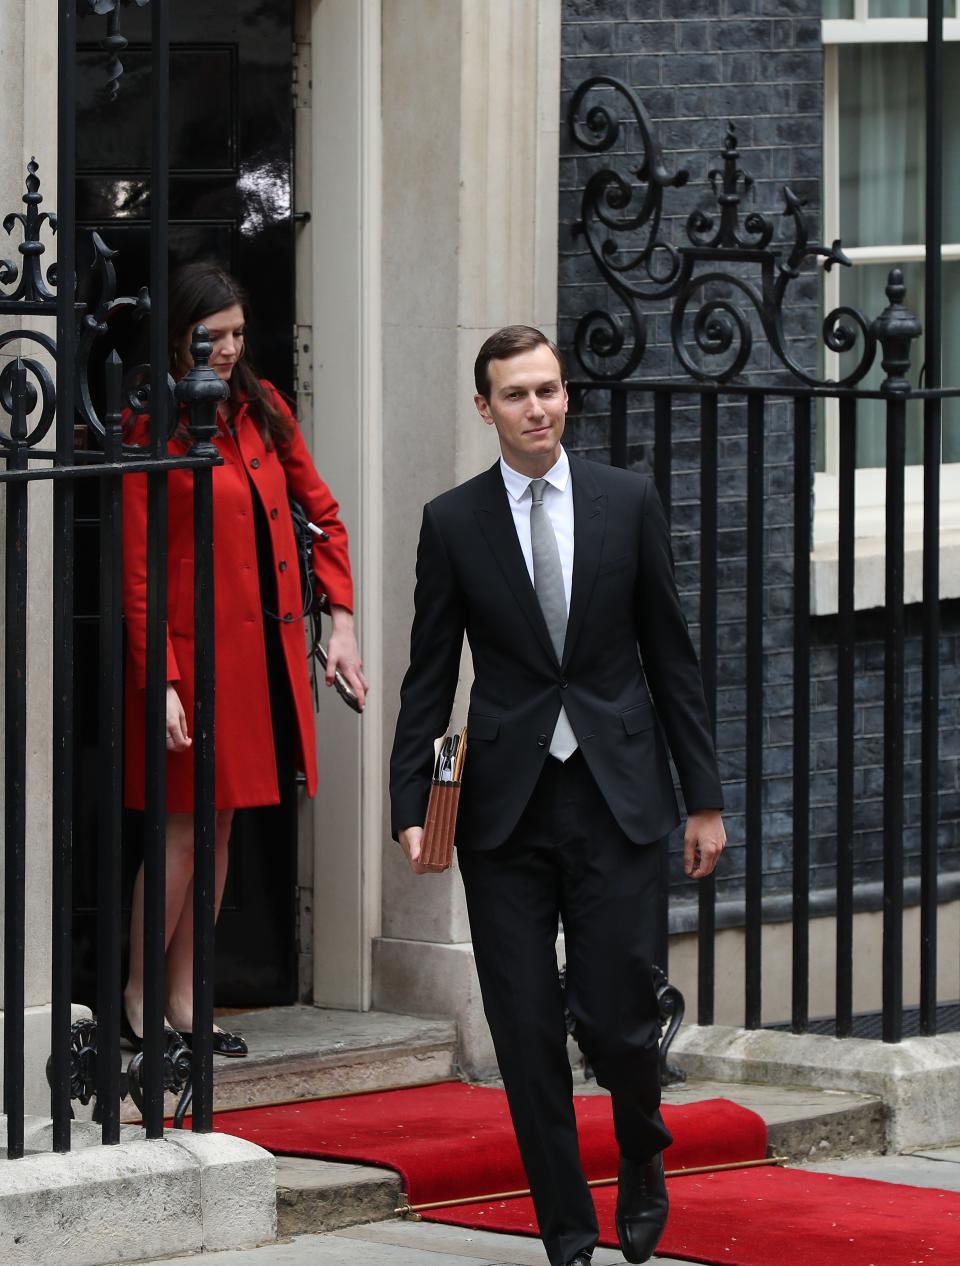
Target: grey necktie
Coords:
[(547, 572)]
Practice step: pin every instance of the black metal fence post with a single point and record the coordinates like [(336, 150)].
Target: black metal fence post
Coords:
[(707, 890), (63, 585), (846, 612), (201, 390), (802, 513), (109, 850), (754, 675), (932, 411), (895, 329), (154, 886), (15, 767)]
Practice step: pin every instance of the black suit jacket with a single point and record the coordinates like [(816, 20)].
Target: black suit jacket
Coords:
[(627, 640)]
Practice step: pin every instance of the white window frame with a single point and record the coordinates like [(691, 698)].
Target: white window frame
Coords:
[(870, 483)]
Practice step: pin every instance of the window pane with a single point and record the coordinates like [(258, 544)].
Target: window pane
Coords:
[(901, 8), (838, 8), (882, 139), (862, 287)]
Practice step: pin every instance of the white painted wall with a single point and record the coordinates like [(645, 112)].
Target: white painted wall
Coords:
[(28, 98)]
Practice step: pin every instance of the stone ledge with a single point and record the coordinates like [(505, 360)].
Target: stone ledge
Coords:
[(316, 1195), (917, 1080), (98, 1205)]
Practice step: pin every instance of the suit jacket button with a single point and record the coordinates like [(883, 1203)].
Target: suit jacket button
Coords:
[(564, 683), (255, 463), (542, 740)]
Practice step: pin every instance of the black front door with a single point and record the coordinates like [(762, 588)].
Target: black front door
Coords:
[(230, 200)]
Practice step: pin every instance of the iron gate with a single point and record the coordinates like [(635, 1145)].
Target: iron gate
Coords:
[(83, 302), (724, 292)]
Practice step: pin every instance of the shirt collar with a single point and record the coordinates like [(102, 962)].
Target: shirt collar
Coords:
[(517, 484)]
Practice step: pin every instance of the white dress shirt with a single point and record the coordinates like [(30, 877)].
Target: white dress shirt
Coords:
[(558, 503)]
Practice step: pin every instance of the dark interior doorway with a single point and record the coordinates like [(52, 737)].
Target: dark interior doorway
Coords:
[(230, 199)]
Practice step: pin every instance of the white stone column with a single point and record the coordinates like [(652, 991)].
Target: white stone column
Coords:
[(28, 102), (470, 178)]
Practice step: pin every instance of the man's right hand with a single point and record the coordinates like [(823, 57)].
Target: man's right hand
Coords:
[(411, 841)]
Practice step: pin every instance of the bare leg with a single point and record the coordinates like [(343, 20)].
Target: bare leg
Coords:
[(179, 877), (180, 948)]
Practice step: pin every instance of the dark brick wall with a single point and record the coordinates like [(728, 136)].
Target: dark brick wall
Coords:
[(698, 64)]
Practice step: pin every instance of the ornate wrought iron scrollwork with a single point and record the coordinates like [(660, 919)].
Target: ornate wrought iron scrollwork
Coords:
[(84, 1053), (605, 347), (26, 289), (114, 42), (31, 286), (672, 1010), (895, 329), (177, 1066), (717, 304), (39, 389)]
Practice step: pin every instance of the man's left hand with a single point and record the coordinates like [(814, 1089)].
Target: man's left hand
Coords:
[(703, 842)]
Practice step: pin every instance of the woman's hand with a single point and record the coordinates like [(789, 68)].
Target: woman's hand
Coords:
[(342, 653), (178, 740)]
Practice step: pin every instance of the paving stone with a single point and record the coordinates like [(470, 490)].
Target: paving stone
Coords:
[(941, 1170)]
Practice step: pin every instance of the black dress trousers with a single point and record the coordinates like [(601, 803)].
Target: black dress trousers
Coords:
[(568, 859)]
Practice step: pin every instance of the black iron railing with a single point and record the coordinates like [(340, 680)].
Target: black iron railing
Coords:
[(724, 294), (85, 1059)]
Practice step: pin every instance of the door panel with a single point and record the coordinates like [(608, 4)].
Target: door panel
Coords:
[(231, 129)]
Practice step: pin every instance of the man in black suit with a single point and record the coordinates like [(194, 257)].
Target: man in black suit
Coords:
[(560, 573)]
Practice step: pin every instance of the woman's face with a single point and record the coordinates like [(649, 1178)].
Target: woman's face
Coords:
[(226, 331)]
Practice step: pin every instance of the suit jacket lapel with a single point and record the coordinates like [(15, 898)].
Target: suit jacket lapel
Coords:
[(496, 522), (589, 524)]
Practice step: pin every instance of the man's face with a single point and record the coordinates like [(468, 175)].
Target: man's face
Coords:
[(528, 406)]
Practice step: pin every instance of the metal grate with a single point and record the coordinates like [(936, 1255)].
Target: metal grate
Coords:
[(869, 1024)]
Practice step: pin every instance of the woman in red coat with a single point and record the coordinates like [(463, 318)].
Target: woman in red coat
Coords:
[(264, 709)]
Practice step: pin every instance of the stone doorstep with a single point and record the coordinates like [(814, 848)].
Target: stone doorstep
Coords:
[(315, 1195), (303, 1052), (100, 1206), (917, 1080)]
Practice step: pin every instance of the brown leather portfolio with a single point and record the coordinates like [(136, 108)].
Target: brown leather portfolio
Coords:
[(440, 828)]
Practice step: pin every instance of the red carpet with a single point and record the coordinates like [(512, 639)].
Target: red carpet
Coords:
[(452, 1141), (774, 1217)]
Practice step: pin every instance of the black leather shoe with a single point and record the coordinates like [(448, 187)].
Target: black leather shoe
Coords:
[(132, 1039), (641, 1207), (223, 1043)]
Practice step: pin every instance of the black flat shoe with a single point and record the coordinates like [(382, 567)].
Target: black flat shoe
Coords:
[(133, 1040), (642, 1206), (224, 1043), (581, 1259)]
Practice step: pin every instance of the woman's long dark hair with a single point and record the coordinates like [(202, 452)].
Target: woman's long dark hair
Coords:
[(199, 290)]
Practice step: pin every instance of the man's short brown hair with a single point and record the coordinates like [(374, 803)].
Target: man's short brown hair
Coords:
[(512, 340)]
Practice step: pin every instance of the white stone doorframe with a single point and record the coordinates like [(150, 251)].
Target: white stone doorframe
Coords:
[(338, 156), (419, 245), (471, 99)]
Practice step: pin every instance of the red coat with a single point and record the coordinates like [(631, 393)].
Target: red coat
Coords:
[(243, 738)]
